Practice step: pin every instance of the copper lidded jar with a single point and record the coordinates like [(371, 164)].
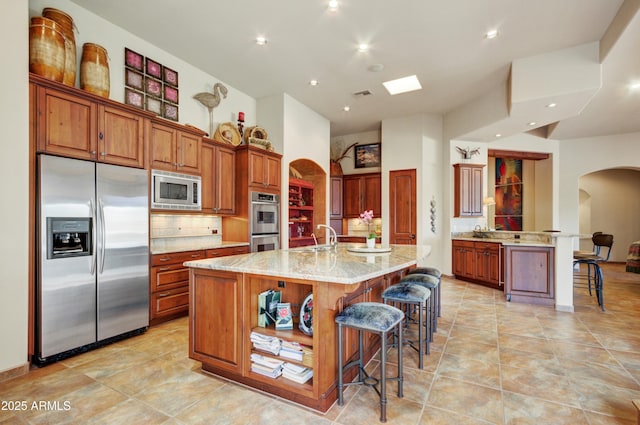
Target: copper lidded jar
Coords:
[(94, 70), (46, 49), (65, 22)]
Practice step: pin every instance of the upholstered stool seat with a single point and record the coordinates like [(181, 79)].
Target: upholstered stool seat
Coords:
[(370, 317), (410, 295), (433, 284), (432, 271)]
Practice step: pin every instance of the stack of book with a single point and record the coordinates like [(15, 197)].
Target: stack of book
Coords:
[(266, 365), (299, 374), (291, 350), (270, 344)]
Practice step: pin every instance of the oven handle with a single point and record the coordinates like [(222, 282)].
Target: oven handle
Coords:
[(264, 203)]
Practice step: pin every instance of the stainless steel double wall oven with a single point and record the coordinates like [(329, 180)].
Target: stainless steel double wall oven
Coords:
[(264, 219)]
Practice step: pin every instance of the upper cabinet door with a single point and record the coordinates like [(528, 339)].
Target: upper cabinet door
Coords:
[(162, 150), (66, 124), (188, 152), (121, 137), (467, 190)]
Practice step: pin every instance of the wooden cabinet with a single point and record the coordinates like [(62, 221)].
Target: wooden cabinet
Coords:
[(173, 148), (218, 178), (263, 170), (467, 190), (361, 192), (479, 262), (75, 124), (488, 262), (464, 259), (335, 206), (215, 328), (301, 225), (529, 274), (223, 252), (169, 284)]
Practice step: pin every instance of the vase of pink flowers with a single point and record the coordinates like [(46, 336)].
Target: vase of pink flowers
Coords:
[(366, 217)]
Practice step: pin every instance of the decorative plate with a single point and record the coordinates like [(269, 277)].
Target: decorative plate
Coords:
[(364, 249), (306, 315), (227, 132)]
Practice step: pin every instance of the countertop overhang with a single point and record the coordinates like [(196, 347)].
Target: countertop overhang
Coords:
[(340, 266)]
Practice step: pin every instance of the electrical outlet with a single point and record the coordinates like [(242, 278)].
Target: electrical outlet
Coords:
[(214, 231), (281, 284)]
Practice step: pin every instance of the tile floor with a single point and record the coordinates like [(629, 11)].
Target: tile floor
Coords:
[(492, 362)]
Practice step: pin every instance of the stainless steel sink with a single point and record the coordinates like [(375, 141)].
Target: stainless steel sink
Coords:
[(312, 248)]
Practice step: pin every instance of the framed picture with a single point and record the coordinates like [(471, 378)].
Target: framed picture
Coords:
[(134, 79), (171, 94), (153, 87), (135, 98), (169, 76), (367, 155), (154, 105), (153, 68), (170, 111), (133, 60)]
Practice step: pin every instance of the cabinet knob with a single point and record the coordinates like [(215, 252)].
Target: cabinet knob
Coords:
[(93, 152), (103, 153), (100, 135)]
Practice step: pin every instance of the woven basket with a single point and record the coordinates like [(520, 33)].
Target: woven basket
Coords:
[(256, 133)]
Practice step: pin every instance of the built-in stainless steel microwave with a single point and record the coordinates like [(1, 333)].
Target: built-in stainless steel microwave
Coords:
[(175, 191)]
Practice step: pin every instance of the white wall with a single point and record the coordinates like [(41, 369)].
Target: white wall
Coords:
[(416, 142), (613, 205), (340, 143), (14, 154), (299, 133), (582, 156)]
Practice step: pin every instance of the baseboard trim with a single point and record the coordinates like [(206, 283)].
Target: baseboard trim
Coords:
[(14, 372), (565, 308)]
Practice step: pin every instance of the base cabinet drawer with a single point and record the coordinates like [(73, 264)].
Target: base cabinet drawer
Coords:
[(170, 302)]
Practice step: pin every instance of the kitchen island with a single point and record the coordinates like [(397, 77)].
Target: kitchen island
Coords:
[(224, 311)]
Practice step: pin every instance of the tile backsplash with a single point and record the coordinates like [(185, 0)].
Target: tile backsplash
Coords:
[(177, 232)]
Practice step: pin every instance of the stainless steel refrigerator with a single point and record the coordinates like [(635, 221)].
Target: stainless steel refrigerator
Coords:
[(93, 256)]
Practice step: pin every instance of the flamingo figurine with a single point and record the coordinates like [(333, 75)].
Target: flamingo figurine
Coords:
[(211, 100)]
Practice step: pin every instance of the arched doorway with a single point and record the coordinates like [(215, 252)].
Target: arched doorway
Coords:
[(609, 201), (310, 171)]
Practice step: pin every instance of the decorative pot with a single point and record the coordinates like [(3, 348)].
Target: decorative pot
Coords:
[(371, 243), (46, 49)]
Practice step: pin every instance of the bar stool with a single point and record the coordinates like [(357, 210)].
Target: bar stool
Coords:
[(408, 296), (377, 318), (433, 284), (431, 271)]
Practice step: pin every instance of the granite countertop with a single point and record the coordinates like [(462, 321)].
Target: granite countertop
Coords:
[(195, 247), (343, 266), (503, 241)]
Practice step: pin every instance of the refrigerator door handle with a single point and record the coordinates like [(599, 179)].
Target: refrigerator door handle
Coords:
[(93, 230), (102, 235)]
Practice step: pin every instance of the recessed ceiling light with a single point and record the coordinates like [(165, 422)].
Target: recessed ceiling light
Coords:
[(498, 135), (261, 41), (333, 5), (363, 47), (491, 34), (532, 123), (402, 85), (346, 108), (635, 86), (552, 105), (314, 83)]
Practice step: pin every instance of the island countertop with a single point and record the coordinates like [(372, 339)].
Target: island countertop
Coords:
[(340, 266)]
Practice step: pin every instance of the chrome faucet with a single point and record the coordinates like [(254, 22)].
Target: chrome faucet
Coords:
[(333, 243), (315, 240)]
